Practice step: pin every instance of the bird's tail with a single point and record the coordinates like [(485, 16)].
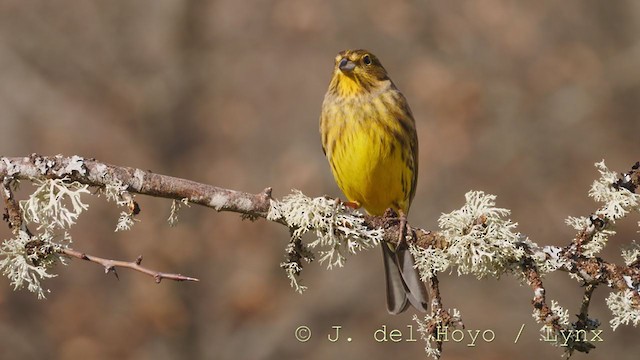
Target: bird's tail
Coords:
[(403, 281)]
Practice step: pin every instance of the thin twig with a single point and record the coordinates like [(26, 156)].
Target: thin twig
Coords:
[(111, 265), (586, 300), (436, 309), (441, 318), (539, 301)]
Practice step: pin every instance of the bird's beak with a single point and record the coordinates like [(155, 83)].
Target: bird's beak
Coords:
[(346, 65)]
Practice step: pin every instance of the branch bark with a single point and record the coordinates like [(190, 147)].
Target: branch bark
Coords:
[(111, 265), (144, 182)]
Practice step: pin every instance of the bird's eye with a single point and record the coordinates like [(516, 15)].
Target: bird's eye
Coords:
[(366, 59)]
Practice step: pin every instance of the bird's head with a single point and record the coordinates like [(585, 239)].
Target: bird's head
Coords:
[(357, 72)]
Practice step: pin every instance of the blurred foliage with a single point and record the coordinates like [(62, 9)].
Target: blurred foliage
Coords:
[(514, 98)]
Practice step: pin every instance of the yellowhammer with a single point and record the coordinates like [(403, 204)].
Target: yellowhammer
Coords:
[(369, 137)]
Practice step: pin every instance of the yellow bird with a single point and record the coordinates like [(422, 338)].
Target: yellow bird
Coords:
[(369, 137)]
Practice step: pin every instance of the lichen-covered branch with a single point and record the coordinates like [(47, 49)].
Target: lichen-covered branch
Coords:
[(54, 207), (438, 323), (478, 239), (94, 173)]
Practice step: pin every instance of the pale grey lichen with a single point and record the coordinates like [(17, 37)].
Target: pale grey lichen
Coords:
[(548, 259), (116, 191), (624, 306), (137, 180), (618, 201), (435, 322), (76, 163), (548, 332), (480, 240), (430, 260), (558, 311), (243, 203), (54, 207), (218, 201), (54, 204), (43, 164), (338, 230), (175, 208), (293, 268), (19, 265), (12, 168), (125, 222), (113, 191), (600, 236), (631, 254), (577, 223)]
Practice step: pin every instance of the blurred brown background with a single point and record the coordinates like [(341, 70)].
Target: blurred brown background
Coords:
[(516, 99)]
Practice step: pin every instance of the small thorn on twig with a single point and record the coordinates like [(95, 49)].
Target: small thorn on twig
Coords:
[(112, 269), (111, 265)]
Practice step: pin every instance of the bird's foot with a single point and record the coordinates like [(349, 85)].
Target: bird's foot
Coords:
[(403, 230)]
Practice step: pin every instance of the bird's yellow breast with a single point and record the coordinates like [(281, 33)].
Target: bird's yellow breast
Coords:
[(366, 159)]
